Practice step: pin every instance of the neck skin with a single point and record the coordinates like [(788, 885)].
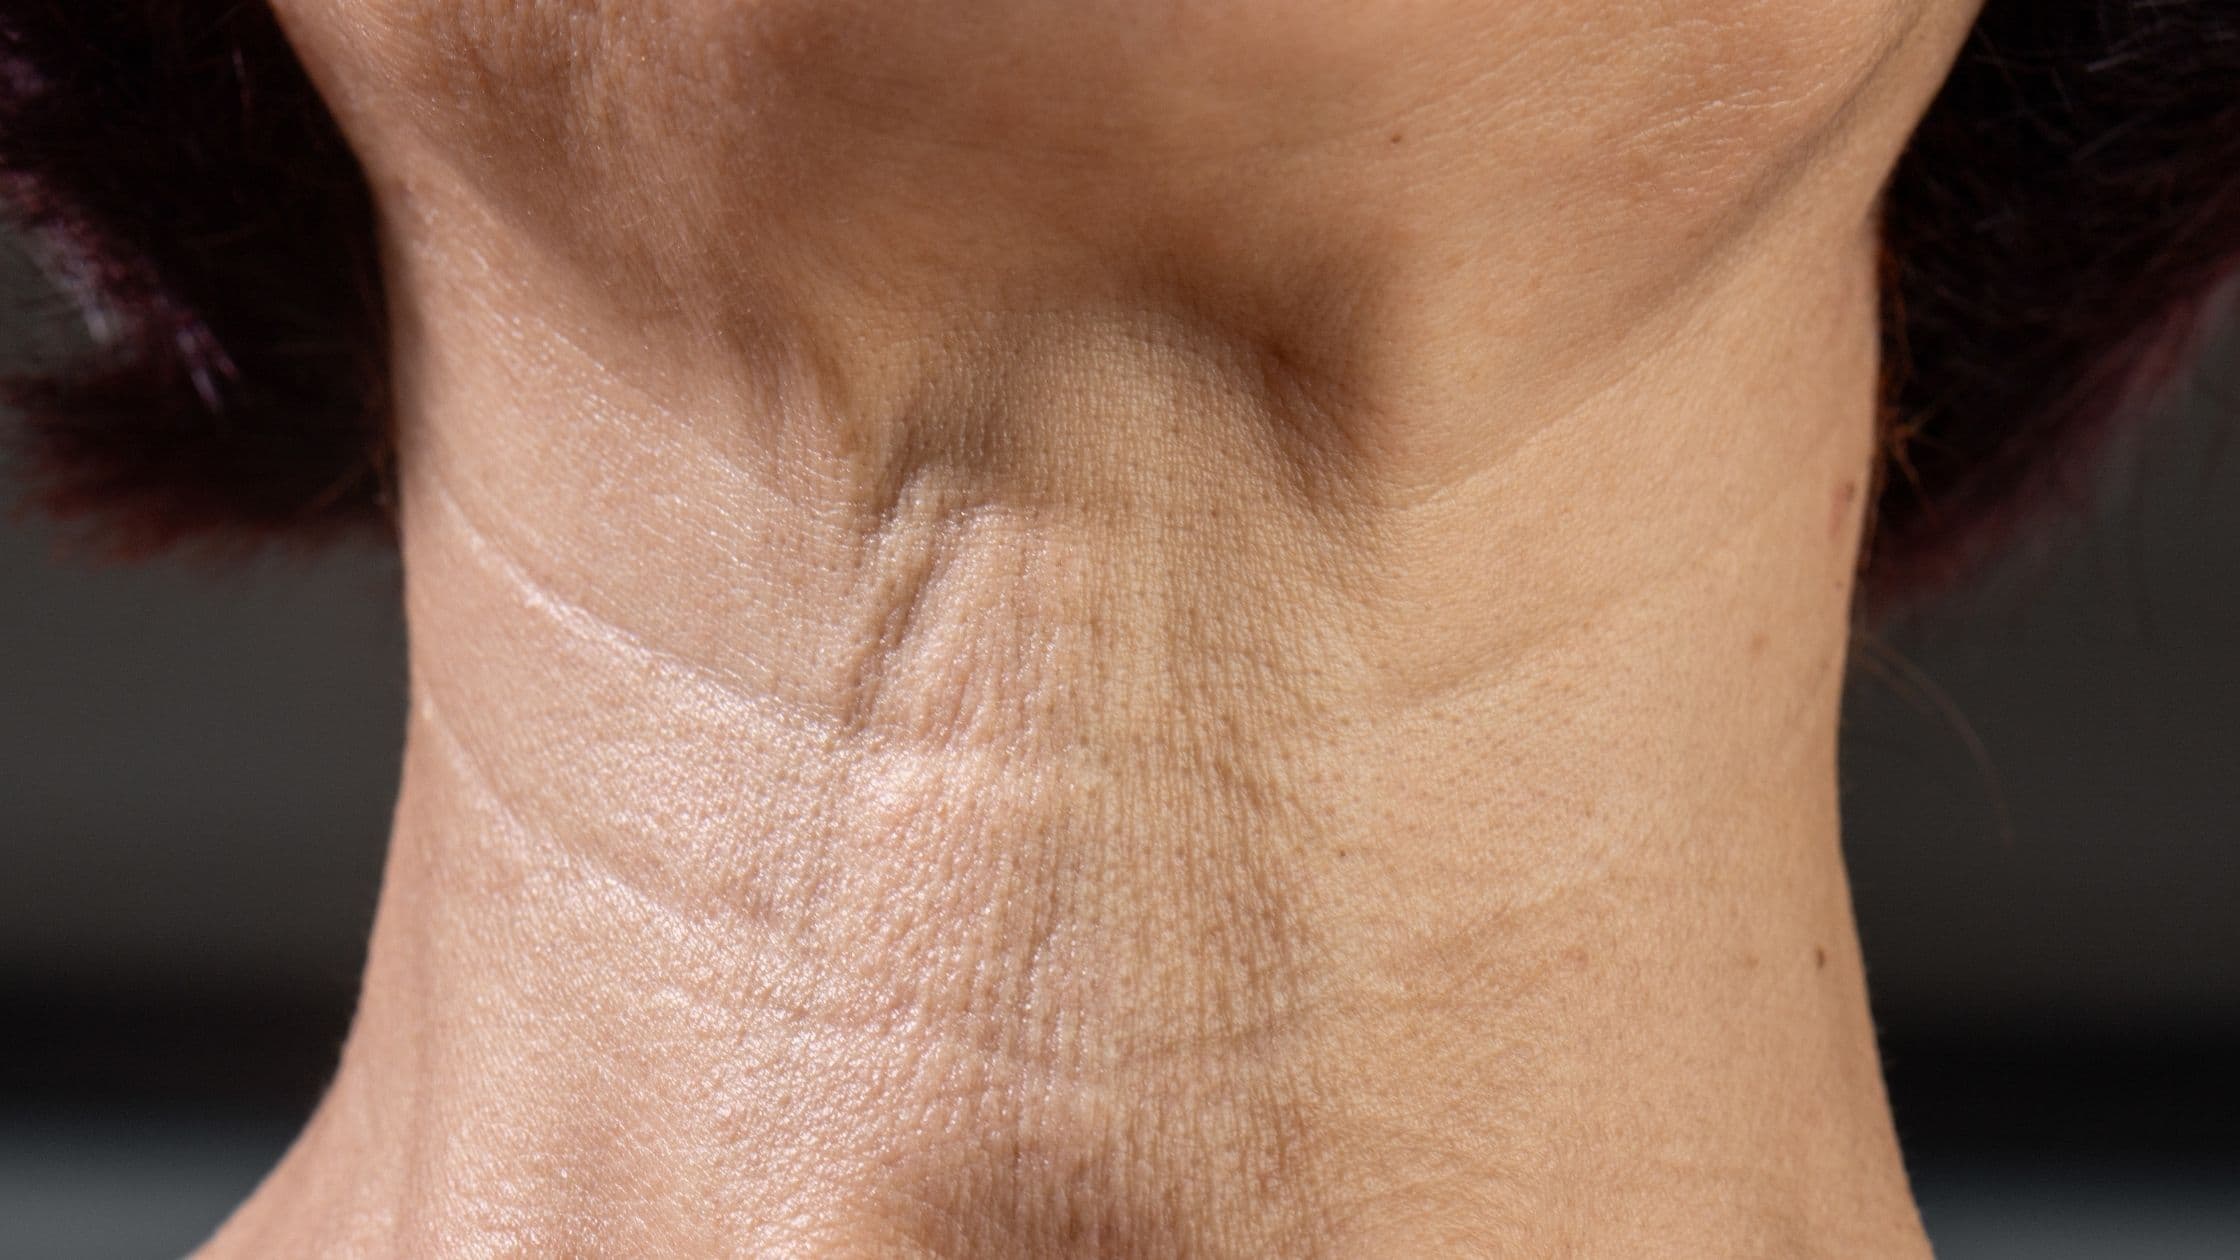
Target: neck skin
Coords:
[(1046, 759)]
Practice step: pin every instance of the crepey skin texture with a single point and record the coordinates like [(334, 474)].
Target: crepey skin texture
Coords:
[(1172, 629)]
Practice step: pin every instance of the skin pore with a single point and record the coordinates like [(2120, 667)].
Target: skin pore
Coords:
[(1127, 629)]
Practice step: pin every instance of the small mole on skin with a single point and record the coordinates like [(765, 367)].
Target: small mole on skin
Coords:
[(1396, 137), (1846, 495), (1819, 958)]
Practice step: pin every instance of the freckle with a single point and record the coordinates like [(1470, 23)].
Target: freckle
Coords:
[(1575, 959), (1396, 137), (1341, 853), (1758, 643), (1846, 495), (1819, 957), (1750, 961)]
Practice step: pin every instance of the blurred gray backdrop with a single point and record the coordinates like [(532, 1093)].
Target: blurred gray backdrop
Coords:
[(2043, 806)]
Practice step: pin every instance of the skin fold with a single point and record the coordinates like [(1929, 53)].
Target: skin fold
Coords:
[(1128, 629)]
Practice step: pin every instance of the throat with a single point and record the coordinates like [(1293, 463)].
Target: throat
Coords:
[(1056, 800), (1350, 1004)]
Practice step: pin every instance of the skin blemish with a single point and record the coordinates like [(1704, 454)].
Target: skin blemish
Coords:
[(1846, 495), (1819, 958)]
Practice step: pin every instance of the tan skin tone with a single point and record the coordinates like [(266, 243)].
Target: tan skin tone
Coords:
[(1065, 627)]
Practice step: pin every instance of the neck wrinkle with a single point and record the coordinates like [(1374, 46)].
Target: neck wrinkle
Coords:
[(1126, 852)]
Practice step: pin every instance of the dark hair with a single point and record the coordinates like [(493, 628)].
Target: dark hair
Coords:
[(2059, 234), (174, 170), (2056, 235)]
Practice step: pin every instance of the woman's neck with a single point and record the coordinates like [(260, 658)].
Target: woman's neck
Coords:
[(1045, 732), (1076, 804)]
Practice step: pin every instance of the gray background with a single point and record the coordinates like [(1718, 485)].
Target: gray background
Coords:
[(2043, 809)]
